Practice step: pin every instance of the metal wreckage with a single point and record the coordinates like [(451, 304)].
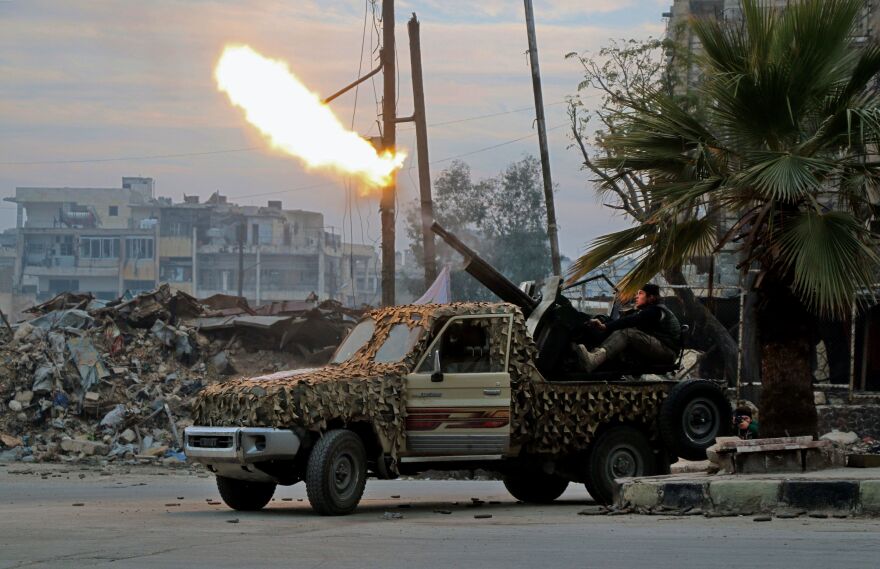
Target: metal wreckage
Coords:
[(489, 385)]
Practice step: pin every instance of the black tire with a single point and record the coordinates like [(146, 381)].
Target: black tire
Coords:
[(336, 473), (620, 452), (692, 416), (534, 486), (591, 488), (243, 495)]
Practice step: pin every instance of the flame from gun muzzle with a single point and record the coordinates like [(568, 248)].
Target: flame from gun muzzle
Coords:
[(296, 121)]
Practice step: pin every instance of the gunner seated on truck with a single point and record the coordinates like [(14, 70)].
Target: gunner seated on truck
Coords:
[(651, 335)]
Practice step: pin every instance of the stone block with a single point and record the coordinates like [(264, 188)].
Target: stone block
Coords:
[(640, 495), (745, 496), (784, 461), (681, 495), (869, 496), (821, 494), (822, 458), (841, 437), (127, 436), (24, 397), (88, 448)]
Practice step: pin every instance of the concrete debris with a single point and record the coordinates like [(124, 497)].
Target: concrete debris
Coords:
[(95, 381), (840, 438)]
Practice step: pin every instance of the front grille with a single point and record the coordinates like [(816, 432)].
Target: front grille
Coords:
[(210, 441)]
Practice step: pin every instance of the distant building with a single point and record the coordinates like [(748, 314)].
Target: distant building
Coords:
[(100, 240), (110, 240)]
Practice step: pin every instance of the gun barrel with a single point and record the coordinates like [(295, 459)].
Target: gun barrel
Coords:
[(486, 273)]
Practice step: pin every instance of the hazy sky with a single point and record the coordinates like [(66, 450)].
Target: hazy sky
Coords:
[(97, 90)]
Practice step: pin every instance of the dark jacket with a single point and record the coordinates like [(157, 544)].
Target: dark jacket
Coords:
[(655, 320)]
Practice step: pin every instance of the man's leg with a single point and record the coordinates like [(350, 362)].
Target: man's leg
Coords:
[(647, 348), (613, 345)]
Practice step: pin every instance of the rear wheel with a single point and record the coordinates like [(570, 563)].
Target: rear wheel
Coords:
[(693, 414), (534, 486), (336, 473), (244, 495), (621, 452)]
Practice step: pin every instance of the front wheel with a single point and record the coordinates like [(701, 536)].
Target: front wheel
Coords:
[(534, 486), (336, 473), (244, 495), (621, 452)]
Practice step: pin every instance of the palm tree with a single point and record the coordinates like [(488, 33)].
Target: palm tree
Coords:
[(787, 140)]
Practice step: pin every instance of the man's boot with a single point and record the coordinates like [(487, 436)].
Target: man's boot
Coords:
[(590, 360)]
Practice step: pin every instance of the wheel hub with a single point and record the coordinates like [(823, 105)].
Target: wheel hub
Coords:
[(344, 477), (700, 421), (623, 463)]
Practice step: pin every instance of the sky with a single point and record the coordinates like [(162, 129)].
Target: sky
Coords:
[(94, 90)]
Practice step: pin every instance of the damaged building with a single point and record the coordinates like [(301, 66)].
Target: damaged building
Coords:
[(107, 241)]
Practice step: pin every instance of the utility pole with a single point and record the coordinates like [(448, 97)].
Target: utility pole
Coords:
[(542, 138), (415, 57), (389, 142), (241, 236)]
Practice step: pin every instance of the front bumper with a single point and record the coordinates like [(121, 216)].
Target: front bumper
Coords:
[(232, 451)]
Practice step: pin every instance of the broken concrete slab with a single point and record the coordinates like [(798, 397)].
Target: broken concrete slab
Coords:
[(86, 447)]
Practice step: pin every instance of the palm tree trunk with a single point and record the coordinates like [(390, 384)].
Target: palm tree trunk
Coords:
[(787, 406)]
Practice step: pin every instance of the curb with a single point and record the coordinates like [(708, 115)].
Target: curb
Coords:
[(746, 496)]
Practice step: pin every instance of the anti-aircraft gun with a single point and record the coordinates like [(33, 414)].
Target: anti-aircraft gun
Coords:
[(553, 322)]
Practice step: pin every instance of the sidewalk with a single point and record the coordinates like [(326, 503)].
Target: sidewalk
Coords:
[(837, 492)]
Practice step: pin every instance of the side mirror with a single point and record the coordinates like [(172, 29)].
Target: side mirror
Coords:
[(436, 374)]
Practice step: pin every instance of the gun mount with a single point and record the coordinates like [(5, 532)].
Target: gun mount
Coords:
[(486, 273), (551, 319)]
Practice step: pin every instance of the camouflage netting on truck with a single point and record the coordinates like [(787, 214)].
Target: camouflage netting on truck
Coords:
[(358, 389), (556, 418)]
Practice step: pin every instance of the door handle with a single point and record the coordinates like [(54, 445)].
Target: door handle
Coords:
[(491, 392)]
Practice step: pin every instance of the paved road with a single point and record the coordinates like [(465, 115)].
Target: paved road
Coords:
[(143, 519)]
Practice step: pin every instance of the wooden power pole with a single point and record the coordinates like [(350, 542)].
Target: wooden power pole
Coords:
[(389, 141), (241, 239), (542, 138), (415, 57)]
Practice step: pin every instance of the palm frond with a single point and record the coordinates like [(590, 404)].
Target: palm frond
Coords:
[(612, 246), (677, 243), (785, 177), (830, 257)]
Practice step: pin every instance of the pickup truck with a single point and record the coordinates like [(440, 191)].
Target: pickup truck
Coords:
[(450, 386)]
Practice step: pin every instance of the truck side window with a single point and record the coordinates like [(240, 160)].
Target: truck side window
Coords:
[(465, 348)]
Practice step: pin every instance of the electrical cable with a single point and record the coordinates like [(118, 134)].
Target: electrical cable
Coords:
[(235, 150), (439, 161)]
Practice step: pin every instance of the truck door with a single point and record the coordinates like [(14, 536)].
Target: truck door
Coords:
[(458, 399)]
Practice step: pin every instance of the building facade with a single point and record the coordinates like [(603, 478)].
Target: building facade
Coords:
[(111, 240)]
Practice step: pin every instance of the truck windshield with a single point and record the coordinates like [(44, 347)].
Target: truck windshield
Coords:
[(400, 341), (355, 340)]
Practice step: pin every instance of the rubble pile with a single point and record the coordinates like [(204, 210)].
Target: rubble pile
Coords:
[(115, 380)]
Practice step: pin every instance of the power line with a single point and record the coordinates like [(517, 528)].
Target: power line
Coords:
[(494, 146), (479, 117), (235, 150), (440, 161)]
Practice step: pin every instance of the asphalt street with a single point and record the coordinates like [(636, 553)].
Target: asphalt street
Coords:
[(56, 516)]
